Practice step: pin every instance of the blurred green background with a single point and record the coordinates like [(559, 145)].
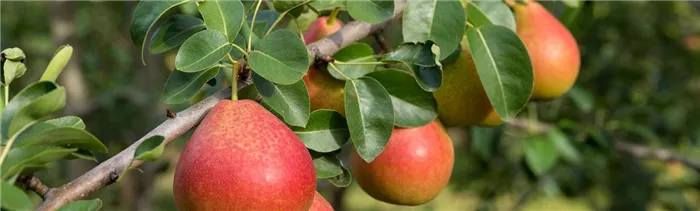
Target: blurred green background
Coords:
[(639, 82)]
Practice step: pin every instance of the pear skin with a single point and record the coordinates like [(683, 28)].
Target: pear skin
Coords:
[(241, 157), (325, 92), (413, 169), (462, 99), (320, 29), (320, 204), (553, 50)]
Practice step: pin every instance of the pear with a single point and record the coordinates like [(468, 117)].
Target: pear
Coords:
[(241, 157), (413, 169), (553, 50), (462, 99), (320, 29), (325, 92), (320, 204)]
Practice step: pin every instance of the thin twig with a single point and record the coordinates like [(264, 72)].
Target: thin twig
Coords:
[(383, 44), (30, 182), (108, 171), (634, 150)]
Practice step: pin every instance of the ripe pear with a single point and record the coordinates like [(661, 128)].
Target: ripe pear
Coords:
[(413, 168), (320, 204), (320, 29), (241, 157), (325, 92), (553, 50), (462, 99)]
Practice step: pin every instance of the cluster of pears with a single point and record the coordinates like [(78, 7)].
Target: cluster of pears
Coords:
[(415, 165), (242, 157), (555, 58)]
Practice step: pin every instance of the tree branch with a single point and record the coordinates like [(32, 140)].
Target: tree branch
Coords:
[(32, 183), (634, 150), (108, 171)]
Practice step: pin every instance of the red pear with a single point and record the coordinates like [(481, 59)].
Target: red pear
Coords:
[(241, 157), (553, 50), (413, 168), (325, 92), (320, 29), (320, 204)]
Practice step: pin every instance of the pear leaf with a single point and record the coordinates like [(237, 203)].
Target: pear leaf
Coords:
[(370, 11), (370, 116), (225, 16), (13, 197), (57, 63), (182, 86), (174, 32), (290, 101), (202, 51), (504, 68), (435, 20), (281, 58), (146, 14), (413, 106), (326, 131), (150, 149)]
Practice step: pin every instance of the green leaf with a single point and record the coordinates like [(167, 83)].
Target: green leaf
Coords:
[(370, 11), (290, 101), (13, 198), (420, 54), (225, 16), (421, 59), (582, 98), (326, 131), (490, 12), (485, 140), (540, 154), (145, 17), (82, 205), (295, 6), (436, 20), (82, 154), (33, 102), (327, 4), (327, 165), (174, 32), (43, 134), (14, 54), (342, 180), (20, 158), (181, 86), (413, 107), (248, 92), (67, 121), (202, 51), (356, 52), (57, 63), (12, 70), (263, 21), (281, 58), (370, 116), (563, 143), (150, 149), (503, 66)]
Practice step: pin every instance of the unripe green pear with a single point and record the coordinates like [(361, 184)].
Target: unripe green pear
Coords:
[(462, 99), (413, 169), (325, 92), (553, 50), (320, 204), (241, 157)]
